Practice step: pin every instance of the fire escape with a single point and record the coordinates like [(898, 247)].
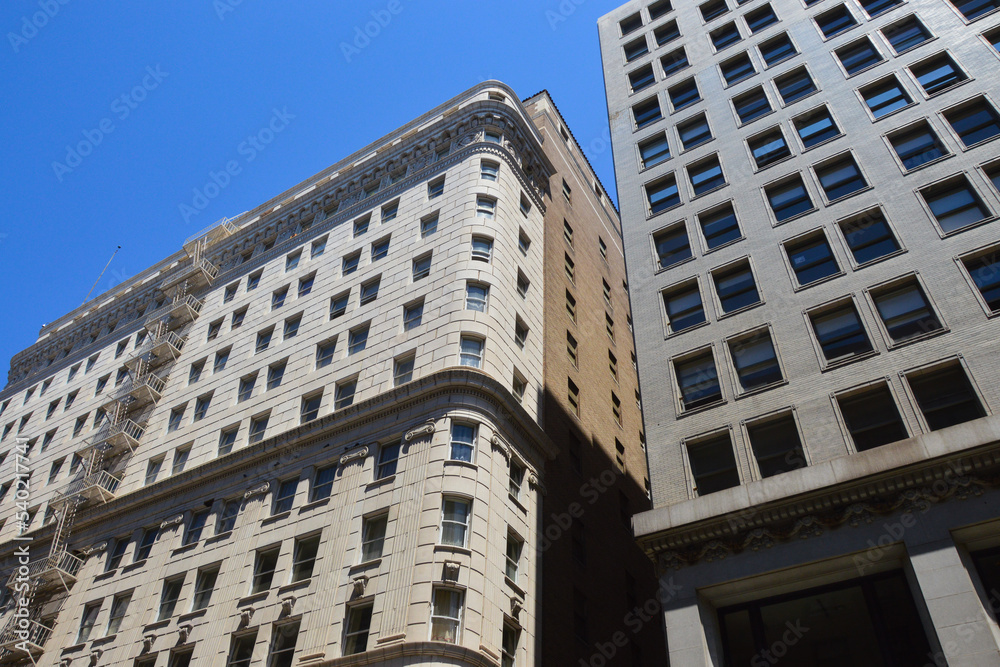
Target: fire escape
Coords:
[(106, 454)]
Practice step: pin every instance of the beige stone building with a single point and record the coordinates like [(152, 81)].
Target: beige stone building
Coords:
[(317, 434), (809, 199)]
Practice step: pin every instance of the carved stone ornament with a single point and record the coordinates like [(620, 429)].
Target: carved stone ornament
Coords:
[(173, 521), (426, 429), (516, 606), (287, 604), (184, 632), (263, 487), (245, 615), (358, 454), (360, 583), (147, 642), (95, 655), (97, 548), (451, 570), (500, 445), (65, 662), (536, 483)]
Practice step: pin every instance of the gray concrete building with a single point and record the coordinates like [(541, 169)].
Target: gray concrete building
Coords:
[(319, 433), (809, 195)]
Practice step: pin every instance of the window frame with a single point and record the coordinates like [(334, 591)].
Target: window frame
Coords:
[(727, 269), (829, 307), (675, 378), (704, 440), (753, 334), (465, 527), (807, 238), (973, 255), (682, 287), (895, 284), (865, 389), (973, 191)]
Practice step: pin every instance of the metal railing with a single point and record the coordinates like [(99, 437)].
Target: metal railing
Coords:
[(63, 564), (127, 428), (23, 632), (171, 338), (101, 479), (154, 382), (189, 301)]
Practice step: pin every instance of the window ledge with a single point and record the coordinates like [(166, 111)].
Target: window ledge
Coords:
[(304, 583), (461, 464), (785, 105), (661, 269), (133, 566), (822, 143), (701, 408), (517, 589), (738, 311), (192, 614), (185, 548), (917, 339), (785, 221), (106, 575), (103, 640), (861, 71), (891, 113), (74, 647), (517, 503), (883, 258), (708, 192), (314, 504), (255, 597), (847, 361), (156, 625), (685, 151), (758, 170), (761, 389), (824, 279), (275, 517), (724, 245), (453, 549), (674, 334), (978, 223), (385, 481), (218, 538), (367, 565)]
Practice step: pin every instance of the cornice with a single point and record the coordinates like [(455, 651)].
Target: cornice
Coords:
[(382, 655)]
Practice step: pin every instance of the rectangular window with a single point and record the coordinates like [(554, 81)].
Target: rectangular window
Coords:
[(917, 145), (698, 380), (795, 85), (937, 74), (713, 464), (760, 18), (515, 479), (706, 175), (285, 496), (905, 311), (694, 132), (388, 459), (402, 370), (684, 94), (835, 21), (146, 544), (777, 49), (885, 96), (672, 245), (278, 298), (284, 636), (455, 516), (204, 587), (811, 258), (195, 527), (662, 194), (221, 359), (974, 121), (955, 204), (666, 33), (174, 421), (274, 374), (985, 273), (421, 267), (323, 483), (257, 427), (636, 49), (776, 445), (310, 407), (356, 628), (373, 537), (869, 236), (871, 417), (840, 177), (572, 348), (945, 396), (684, 306), (839, 332), (788, 198), (291, 327), (876, 7), (412, 315), (253, 280), (226, 440), (736, 69), (463, 442), (119, 607), (768, 147), (230, 293), (181, 455), (858, 56), (227, 518), (428, 225), (906, 34), (380, 249), (201, 407), (486, 207), (725, 36), (338, 305), (153, 468), (357, 339), (87, 621), (238, 318), (471, 352), (306, 285), (241, 650), (674, 62), (361, 225), (815, 127), (647, 112), (515, 546), (713, 9), (345, 394), (476, 296), (719, 226), (318, 248), (168, 598), (265, 562), (755, 360), (751, 105), (641, 78), (973, 9), (369, 290), (435, 188), (195, 373), (350, 263), (292, 261), (654, 150), (304, 557), (489, 171), (735, 286)]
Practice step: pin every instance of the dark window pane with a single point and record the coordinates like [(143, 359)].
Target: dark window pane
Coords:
[(974, 122), (777, 49), (737, 69), (906, 312), (776, 446), (706, 176), (698, 381), (752, 105), (816, 127), (835, 21), (684, 308), (756, 361), (761, 18), (654, 150), (973, 9), (647, 112), (885, 97), (642, 78), (906, 34), (789, 199), (674, 62), (720, 226), (736, 287), (713, 465), (917, 146), (694, 132), (672, 246), (937, 74), (662, 195), (768, 148), (725, 36), (985, 272), (869, 237), (840, 333), (946, 397), (840, 178), (812, 260), (795, 86), (711, 10), (873, 7), (636, 49), (872, 418), (955, 204), (666, 33), (684, 94), (858, 56)]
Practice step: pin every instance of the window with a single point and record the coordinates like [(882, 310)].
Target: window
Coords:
[(630, 24), (168, 598), (350, 263), (514, 547), (492, 137), (263, 570), (482, 248), (518, 387), (674, 62), (974, 122), (291, 327), (204, 586), (570, 306), (714, 9), (221, 359), (238, 318), (515, 478), (357, 339), (871, 417), (659, 8), (274, 374), (101, 384), (292, 261), (875, 7), (713, 464), (522, 284), (666, 33), (201, 407), (194, 528), (609, 326), (488, 171), (697, 380), (120, 350), (181, 455), (788, 198), (115, 555), (369, 290), (227, 439), (735, 286), (471, 352), (520, 332), (345, 394), (606, 289), (285, 496), (795, 85), (153, 468), (318, 248), (937, 74), (973, 9), (755, 360), (373, 535), (241, 650), (905, 310), (323, 483), (945, 396), (455, 515), (476, 295), (736, 69), (388, 458), (435, 188), (662, 194), (421, 267), (835, 21), (486, 207), (278, 298), (88, 620), (776, 445), (572, 348), (647, 112), (654, 150), (815, 127), (174, 421), (839, 332), (777, 49), (338, 305), (683, 94), (917, 145), (885, 96), (310, 407), (356, 628), (213, 329), (304, 557), (725, 36), (869, 236), (253, 280), (955, 204), (858, 56), (306, 285), (463, 442), (195, 373), (672, 246), (412, 315), (760, 18), (768, 147), (811, 258), (684, 306), (706, 175), (146, 544), (119, 606), (257, 427), (719, 226), (361, 225), (428, 225), (906, 34), (283, 639), (751, 105), (636, 49), (641, 78), (984, 270)]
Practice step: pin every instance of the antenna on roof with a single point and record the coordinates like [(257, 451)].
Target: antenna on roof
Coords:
[(102, 274)]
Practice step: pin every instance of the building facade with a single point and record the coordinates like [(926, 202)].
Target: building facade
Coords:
[(318, 433), (809, 191)]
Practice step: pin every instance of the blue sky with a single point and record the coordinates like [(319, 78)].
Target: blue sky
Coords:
[(115, 113)]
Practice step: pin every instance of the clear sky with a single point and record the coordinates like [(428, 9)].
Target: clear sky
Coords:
[(115, 113)]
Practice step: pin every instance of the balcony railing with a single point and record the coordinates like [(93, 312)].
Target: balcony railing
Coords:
[(156, 350), (179, 311), (22, 635), (115, 437), (216, 232), (199, 273), (100, 485), (143, 390), (59, 568)]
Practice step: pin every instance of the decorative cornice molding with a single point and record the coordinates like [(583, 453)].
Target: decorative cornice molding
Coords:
[(501, 446), (425, 429), (263, 487), (356, 454), (173, 521), (536, 483)]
